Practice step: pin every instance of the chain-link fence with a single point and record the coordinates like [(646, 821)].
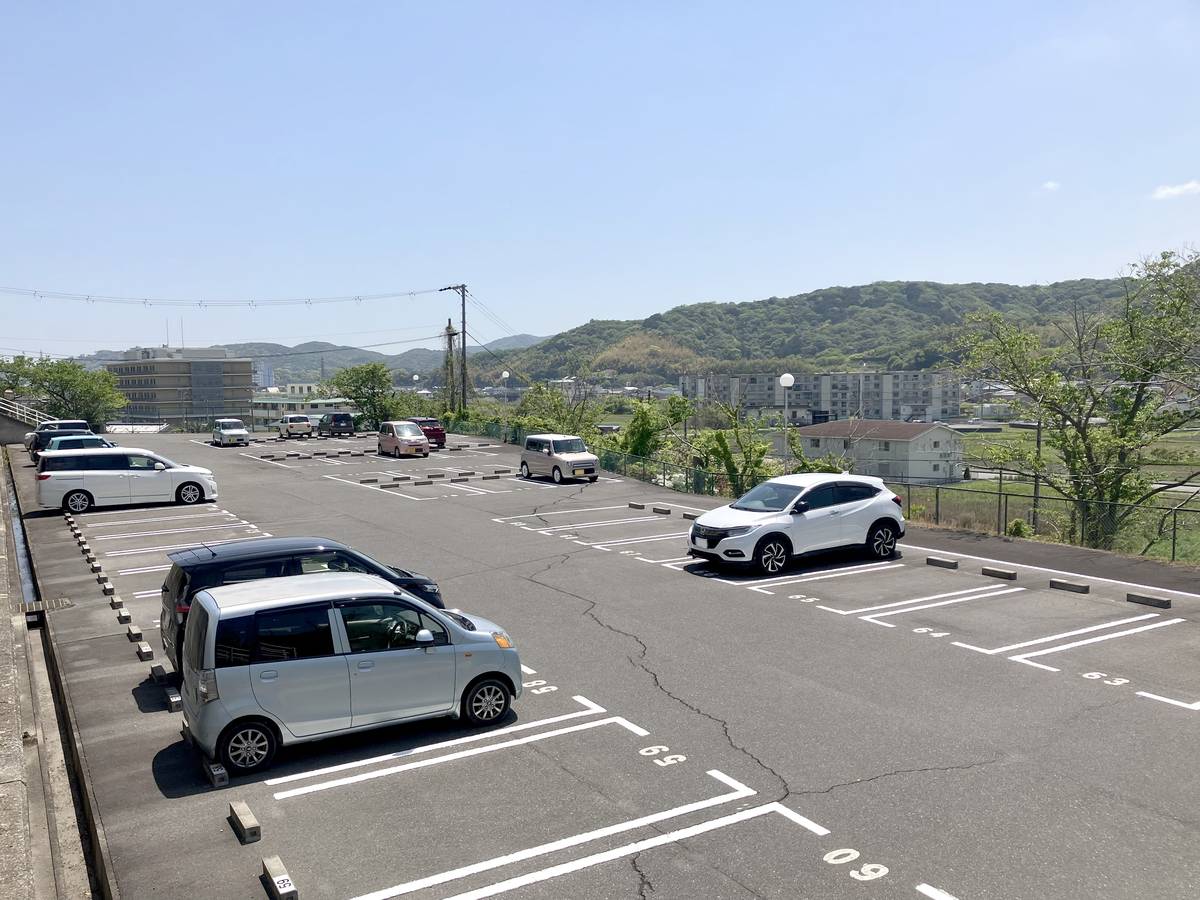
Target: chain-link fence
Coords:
[(1165, 530)]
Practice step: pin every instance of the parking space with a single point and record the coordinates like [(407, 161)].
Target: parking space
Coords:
[(850, 727)]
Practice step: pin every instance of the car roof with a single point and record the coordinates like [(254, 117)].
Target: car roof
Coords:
[(555, 437), (421, 419), (218, 421), (398, 422), (58, 423), (251, 548), (75, 437), (322, 586), (812, 479), (93, 451)]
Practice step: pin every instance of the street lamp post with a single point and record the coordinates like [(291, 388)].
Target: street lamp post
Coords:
[(786, 380), (505, 375)]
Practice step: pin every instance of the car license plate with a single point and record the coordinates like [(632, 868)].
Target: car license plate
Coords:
[(579, 471)]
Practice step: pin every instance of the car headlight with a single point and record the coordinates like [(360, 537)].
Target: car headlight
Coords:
[(503, 641), (739, 531)]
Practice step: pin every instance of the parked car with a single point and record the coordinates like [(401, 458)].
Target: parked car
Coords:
[(203, 567), (228, 432), (402, 439), (77, 480), (314, 421), (798, 514), (78, 442), (432, 429), (561, 456), (295, 426), (42, 439), (298, 659), (334, 424), (54, 425)]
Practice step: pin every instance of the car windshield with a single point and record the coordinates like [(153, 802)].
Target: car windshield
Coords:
[(460, 620), (770, 496), (230, 424), (570, 445), (408, 429)]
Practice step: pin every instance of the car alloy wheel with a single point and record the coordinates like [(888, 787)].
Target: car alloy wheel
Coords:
[(883, 541), (772, 557), (249, 747), (77, 502), (190, 493), (488, 702), (524, 470)]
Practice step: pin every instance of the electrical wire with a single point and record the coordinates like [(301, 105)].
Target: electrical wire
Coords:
[(201, 303)]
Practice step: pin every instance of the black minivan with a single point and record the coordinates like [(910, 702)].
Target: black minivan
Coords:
[(202, 567), (336, 423)]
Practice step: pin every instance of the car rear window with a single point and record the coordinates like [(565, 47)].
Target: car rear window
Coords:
[(193, 638), (175, 583), (61, 463)]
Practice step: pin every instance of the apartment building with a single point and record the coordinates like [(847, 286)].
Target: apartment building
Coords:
[(182, 387), (905, 396)]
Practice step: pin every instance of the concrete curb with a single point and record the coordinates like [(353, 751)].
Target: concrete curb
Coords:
[(1147, 600), (941, 562), (993, 572), (1075, 587)]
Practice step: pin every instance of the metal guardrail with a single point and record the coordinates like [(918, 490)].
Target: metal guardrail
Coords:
[(22, 413)]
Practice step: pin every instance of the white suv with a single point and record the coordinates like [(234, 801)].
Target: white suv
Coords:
[(799, 514)]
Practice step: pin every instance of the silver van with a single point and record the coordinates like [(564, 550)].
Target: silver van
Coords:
[(295, 659), (561, 456)]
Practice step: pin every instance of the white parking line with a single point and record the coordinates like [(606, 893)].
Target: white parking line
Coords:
[(779, 579), (240, 523), (1025, 657), (527, 670), (129, 510), (590, 709), (461, 754), (874, 617), (933, 893), (200, 515), (1194, 707), (640, 540), (268, 461), (138, 550), (141, 569), (670, 837), (883, 567), (154, 593), (739, 792), (560, 512), (375, 487), (1055, 637), (867, 609), (600, 524), (989, 559), (673, 559)]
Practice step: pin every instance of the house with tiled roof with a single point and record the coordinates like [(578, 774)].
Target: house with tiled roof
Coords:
[(922, 452)]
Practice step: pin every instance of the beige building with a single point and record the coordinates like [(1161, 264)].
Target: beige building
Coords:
[(903, 396), (900, 451), (182, 387)]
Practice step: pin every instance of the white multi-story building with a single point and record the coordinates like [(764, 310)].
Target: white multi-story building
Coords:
[(903, 451), (905, 396)]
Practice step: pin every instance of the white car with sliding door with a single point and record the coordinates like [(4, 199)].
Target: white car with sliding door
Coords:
[(77, 480), (799, 514)]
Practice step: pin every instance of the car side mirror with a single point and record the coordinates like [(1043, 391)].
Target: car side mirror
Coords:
[(549, 452), (158, 467), (424, 636), (801, 507)]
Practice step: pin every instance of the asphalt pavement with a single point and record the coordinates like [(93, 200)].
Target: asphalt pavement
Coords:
[(848, 729)]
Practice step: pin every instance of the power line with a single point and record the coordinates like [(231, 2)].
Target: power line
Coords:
[(202, 303)]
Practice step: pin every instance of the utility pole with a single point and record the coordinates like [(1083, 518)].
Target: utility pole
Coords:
[(462, 293), (1037, 478)]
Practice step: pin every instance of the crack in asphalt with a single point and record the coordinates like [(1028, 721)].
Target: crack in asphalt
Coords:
[(644, 882), (894, 772), (537, 510)]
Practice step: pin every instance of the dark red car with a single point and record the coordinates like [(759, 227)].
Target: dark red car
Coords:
[(432, 429)]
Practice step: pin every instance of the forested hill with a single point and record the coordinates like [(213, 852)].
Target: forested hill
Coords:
[(897, 324)]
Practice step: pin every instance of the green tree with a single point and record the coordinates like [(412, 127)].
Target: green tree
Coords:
[(737, 449), (369, 386), (652, 423), (64, 389), (1105, 386), (546, 409), (830, 462)]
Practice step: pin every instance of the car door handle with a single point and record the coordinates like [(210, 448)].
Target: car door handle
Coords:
[(268, 675), (365, 665)]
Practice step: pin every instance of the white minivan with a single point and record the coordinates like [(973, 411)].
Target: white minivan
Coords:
[(305, 657), (77, 480)]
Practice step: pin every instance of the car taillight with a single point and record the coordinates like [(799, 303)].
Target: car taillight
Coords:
[(183, 608), (206, 688), (896, 499), (42, 476)]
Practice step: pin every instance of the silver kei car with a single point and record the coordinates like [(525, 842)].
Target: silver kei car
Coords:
[(288, 660)]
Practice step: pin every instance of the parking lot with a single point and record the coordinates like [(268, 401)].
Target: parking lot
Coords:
[(848, 728)]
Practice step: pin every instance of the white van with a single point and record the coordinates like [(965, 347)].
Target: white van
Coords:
[(77, 480), (295, 659)]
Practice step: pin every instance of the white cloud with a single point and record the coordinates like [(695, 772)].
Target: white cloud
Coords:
[(1171, 191), (1050, 185)]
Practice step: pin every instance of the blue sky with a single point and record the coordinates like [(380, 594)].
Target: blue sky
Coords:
[(571, 161)]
